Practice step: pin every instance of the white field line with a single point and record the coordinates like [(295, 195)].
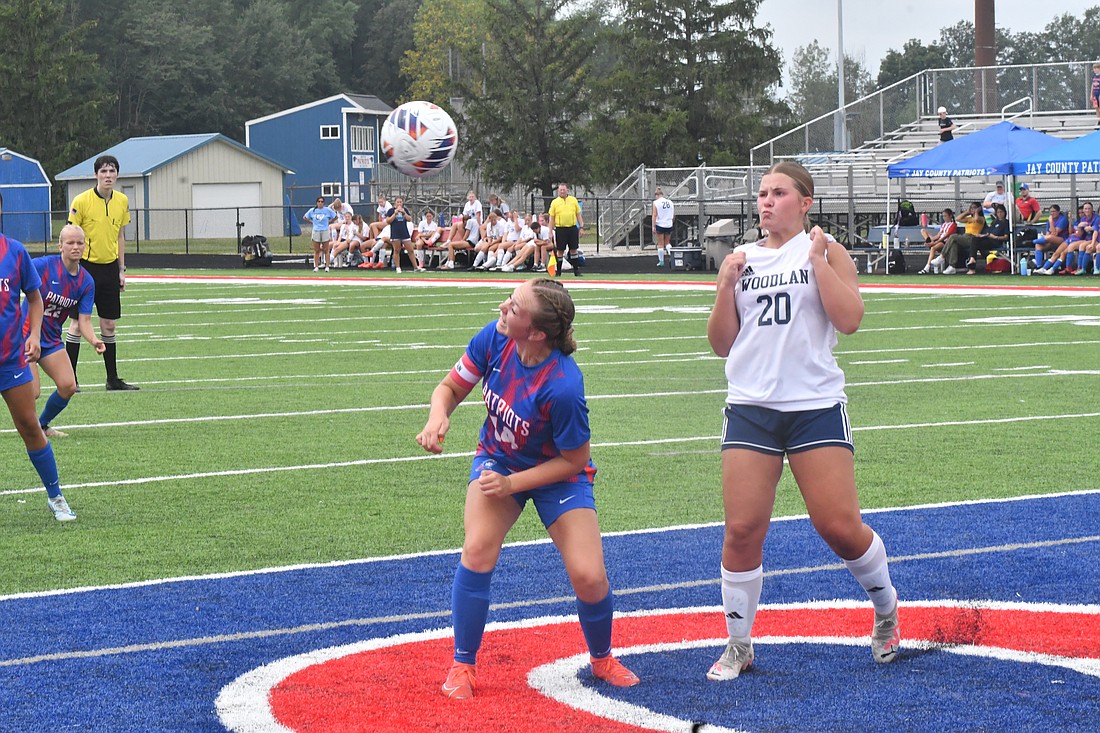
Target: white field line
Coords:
[(467, 403), (523, 543), (406, 459), (697, 356), (443, 614), (592, 284)]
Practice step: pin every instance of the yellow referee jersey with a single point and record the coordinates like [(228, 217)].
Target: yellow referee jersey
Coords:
[(101, 221)]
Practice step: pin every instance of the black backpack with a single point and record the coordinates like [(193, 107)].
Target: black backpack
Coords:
[(907, 214), (896, 262), (255, 252)]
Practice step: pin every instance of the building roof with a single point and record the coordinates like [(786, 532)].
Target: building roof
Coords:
[(366, 103), (140, 156), (7, 153)]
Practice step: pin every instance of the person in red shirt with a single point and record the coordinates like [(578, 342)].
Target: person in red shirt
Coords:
[(1027, 205)]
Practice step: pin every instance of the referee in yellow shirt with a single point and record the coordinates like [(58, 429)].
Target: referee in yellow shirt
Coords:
[(565, 212), (103, 212)]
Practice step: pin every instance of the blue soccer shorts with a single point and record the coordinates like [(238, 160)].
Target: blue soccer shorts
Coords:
[(776, 433), (551, 501), (13, 375)]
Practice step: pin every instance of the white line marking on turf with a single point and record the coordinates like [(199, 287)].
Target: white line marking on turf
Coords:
[(879, 361), (524, 543), (444, 456), (948, 364)]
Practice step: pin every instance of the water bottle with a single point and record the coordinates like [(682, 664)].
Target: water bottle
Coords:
[(1023, 266), (924, 220)]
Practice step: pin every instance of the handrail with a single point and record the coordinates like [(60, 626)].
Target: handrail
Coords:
[(1030, 106)]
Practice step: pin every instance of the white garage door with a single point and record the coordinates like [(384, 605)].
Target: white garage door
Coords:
[(216, 206)]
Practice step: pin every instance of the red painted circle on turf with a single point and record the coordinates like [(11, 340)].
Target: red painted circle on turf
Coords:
[(398, 687)]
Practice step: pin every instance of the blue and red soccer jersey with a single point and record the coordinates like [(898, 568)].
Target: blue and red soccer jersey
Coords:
[(17, 276), (535, 412), (63, 295)]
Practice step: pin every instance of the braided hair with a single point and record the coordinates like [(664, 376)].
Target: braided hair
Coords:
[(554, 315)]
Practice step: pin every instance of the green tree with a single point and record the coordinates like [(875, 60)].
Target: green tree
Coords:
[(262, 80), (53, 90), (814, 81), (384, 44), (692, 81), (525, 104), (447, 37), (913, 58)]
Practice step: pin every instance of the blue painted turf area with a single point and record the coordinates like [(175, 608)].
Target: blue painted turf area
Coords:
[(159, 654)]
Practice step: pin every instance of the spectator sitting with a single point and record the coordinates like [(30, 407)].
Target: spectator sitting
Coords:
[(1085, 232), (381, 212), (472, 208), (994, 238), (544, 242), (958, 243), (997, 196), (1027, 205), (492, 236), (342, 241), (376, 257), (465, 234), (1056, 233), (936, 241), (500, 206), (427, 236), (524, 248)]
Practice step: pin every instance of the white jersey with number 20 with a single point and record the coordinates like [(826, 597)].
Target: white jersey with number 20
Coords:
[(782, 357)]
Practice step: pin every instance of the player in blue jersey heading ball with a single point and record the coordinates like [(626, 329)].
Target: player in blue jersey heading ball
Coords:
[(535, 444)]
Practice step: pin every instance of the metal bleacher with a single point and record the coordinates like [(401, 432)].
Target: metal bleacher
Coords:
[(893, 124)]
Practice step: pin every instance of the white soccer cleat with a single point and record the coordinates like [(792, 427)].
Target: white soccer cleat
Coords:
[(61, 510), (886, 637), (737, 658)]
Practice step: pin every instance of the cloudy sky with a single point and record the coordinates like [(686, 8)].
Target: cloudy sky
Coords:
[(873, 27)]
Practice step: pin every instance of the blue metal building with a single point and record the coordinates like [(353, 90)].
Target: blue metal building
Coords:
[(26, 190), (332, 145)]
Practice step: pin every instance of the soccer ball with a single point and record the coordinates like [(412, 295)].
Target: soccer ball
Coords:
[(419, 139)]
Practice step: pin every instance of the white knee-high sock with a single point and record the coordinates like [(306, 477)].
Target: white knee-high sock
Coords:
[(740, 594), (873, 573)]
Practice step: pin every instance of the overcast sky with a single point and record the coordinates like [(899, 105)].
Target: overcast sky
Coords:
[(873, 27)]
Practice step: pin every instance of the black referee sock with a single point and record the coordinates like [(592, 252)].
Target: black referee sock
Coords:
[(109, 358), (72, 348)]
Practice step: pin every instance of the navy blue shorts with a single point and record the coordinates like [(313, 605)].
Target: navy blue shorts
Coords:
[(777, 433), (551, 501), (13, 375), (663, 230)]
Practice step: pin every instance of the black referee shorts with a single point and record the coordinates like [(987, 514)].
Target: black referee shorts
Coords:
[(108, 294), (566, 237)]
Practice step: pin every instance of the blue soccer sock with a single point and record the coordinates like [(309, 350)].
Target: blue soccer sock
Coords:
[(43, 462), (1040, 257), (54, 405), (1084, 260), (469, 611), (596, 624), (1071, 260)]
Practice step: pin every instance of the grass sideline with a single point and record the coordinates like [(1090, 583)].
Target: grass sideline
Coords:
[(275, 425)]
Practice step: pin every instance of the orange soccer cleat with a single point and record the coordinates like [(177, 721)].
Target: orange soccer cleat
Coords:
[(460, 682), (613, 672)]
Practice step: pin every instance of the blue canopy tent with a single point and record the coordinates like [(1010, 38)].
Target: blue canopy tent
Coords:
[(993, 151), (1080, 156)]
